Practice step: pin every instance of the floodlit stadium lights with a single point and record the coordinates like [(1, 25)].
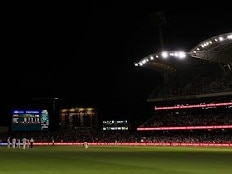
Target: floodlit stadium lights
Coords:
[(214, 40), (198, 51), (163, 54)]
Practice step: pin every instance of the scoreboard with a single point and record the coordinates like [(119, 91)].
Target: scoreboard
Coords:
[(30, 120), (115, 125)]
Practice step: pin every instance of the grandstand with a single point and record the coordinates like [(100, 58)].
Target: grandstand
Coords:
[(194, 102)]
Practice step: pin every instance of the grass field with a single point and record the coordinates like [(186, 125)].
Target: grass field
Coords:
[(116, 160)]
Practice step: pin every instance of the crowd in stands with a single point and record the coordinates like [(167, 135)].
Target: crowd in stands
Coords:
[(189, 119), (194, 84), (187, 136)]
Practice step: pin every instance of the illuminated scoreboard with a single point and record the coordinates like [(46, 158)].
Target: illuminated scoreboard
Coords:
[(30, 120), (115, 125)]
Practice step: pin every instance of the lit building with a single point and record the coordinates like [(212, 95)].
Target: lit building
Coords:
[(78, 117)]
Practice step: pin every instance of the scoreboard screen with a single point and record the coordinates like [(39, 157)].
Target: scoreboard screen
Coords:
[(115, 125), (30, 120)]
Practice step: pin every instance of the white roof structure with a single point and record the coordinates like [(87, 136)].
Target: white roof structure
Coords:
[(217, 49)]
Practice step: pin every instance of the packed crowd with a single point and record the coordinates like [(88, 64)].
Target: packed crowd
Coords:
[(93, 136), (189, 119), (196, 83)]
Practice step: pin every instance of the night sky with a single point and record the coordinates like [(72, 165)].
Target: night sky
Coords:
[(84, 52)]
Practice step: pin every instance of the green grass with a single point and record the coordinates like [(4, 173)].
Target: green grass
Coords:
[(116, 160)]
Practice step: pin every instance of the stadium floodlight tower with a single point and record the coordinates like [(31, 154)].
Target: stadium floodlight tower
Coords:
[(164, 61), (215, 49), (161, 22)]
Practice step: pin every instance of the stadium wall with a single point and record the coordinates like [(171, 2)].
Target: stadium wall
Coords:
[(134, 144)]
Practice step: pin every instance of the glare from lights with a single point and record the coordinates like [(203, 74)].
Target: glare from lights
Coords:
[(221, 38), (164, 54), (229, 36), (181, 54), (211, 41)]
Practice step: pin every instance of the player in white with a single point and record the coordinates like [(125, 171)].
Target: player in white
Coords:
[(31, 142), (8, 142), (116, 142), (13, 143), (24, 140), (85, 145), (18, 143), (28, 143)]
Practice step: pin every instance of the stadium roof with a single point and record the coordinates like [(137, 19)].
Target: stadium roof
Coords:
[(168, 61), (217, 49)]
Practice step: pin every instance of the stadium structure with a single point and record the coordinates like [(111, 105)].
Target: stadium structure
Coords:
[(191, 107), (194, 102)]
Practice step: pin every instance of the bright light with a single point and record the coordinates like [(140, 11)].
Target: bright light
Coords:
[(181, 54), (229, 36), (221, 38), (164, 54)]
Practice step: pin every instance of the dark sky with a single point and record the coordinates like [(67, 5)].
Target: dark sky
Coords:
[(84, 52)]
